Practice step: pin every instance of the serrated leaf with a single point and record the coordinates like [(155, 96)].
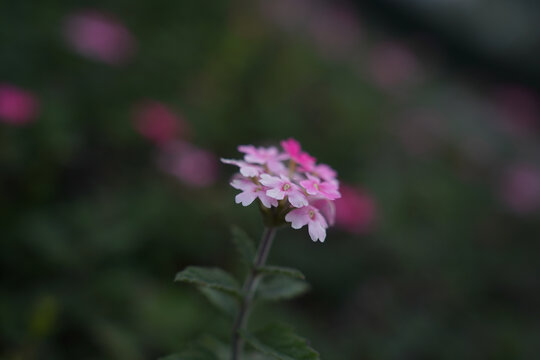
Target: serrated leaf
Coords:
[(280, 288), (214, 278), (281, 270), (244, 245), (223, 301), (281, 343), (191, 355)]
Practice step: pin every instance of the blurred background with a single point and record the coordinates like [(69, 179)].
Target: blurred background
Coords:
[(113, 117)]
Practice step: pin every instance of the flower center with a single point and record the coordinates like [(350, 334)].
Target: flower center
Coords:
[(311, 214), (286, 187), (316, 186)]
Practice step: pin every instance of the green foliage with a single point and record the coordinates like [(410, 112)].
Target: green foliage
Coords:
[(199, 354), (244, 245), (91, 226), (280, 288), (222, 300), (213, 278), (281, 270), (281, 343)]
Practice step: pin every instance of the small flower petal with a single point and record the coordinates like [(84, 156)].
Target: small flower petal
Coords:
[(246, 197), (297, 199), (298, 218), (276, 193), (316, 231)]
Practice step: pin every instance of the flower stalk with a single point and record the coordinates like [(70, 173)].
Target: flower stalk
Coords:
[(248, 291)]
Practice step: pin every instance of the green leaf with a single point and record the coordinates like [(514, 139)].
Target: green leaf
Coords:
[(199, 354), (280, 270), (280, 288), (244, 245), (223, 301), (220, 349), (281, 343), (213, 278)]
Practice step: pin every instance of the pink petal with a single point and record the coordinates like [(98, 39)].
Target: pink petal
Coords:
[(270, 181), (276, 193), (298, 218), (243, 184), (309, 185), (291, 147), (267, 201), (297, 199), (246, 197), (316, 231)]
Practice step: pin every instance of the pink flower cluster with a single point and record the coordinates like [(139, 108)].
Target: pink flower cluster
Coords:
[(177, 155), (17, 106), (99, 36), (288, 183)]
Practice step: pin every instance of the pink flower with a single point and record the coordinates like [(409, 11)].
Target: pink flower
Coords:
[(17, 106), (325, 172), (327, 208), (264, 156), (326, 189), (520, 188), (156, 122), (282, 186), (194, 166), (355, 210), (246, 169), (301, 195), (310, 216), (294, 150), (252, 191), (306, 162), (292, 147), (99, 36)]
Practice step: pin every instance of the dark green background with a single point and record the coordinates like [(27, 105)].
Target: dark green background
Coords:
[(92, 232)]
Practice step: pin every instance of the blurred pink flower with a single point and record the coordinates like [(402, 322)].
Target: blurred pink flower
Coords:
[(391, 65), (192, 165), (294, 151), (520, 188), (17, 106), (355, 210), (519, 107), (156, 122), (99, 36)]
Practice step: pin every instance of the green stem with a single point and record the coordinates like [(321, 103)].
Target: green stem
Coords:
[(250, 285)]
